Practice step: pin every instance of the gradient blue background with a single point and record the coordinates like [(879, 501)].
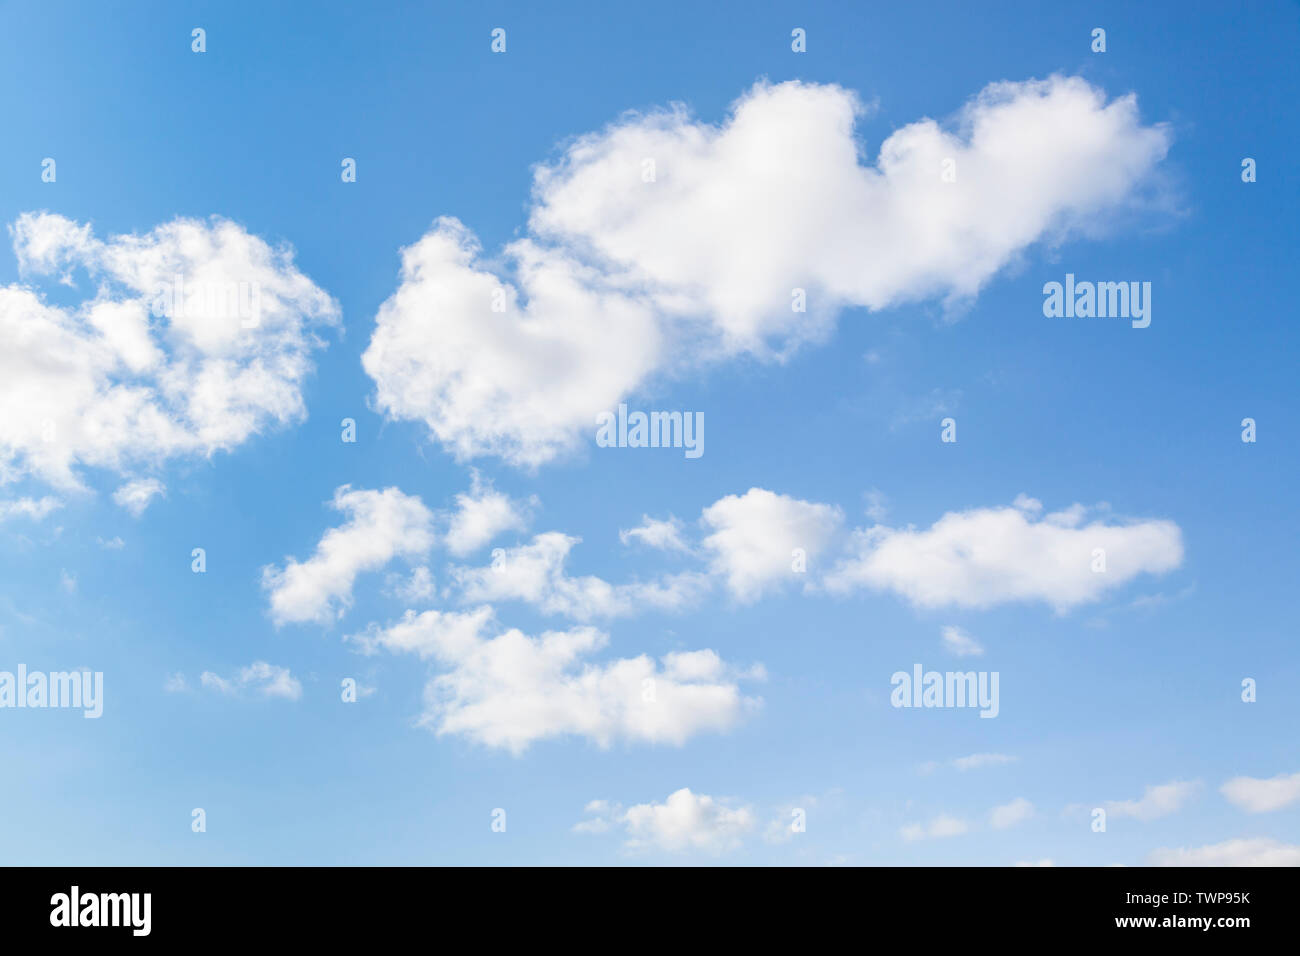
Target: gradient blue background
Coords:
[(1096, 704)]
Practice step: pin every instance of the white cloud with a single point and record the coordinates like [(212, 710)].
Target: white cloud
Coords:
[(33, 508), (754, 537), (958, 642), (260, 677), (535, 573), (685, 821), (1009, 814), (1156, 801), (481, 515), (176, 683), (135, 496), (989, 556), (512, 690), (381, 525), (620, 279), (660, 535), (111, 544), (415, 589), (975, 761), (127, 379), (1256, 795), (941, 826), (1043, 862), (1259, 851)]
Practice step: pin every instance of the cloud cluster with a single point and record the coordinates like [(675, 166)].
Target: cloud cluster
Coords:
[(761, 541), (505, 689), (661, 242), (198, 336)]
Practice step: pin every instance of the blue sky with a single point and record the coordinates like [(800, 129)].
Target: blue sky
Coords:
[(1120, 691)]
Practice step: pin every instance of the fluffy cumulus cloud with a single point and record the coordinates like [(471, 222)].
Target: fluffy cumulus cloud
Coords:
[(1257, 851), (481, 514), (505, 689), (197, 336), (756, 538), (1256, 795), (1156, 801), (988, 556), (624, 275), (535, 573), (259, 677), (685, 821), (381, 525)]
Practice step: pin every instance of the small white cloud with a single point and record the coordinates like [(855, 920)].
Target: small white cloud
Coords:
[(1156, 801), (1259, 851), (685, 821), (1256, 795), (755, 536), (259, 677), (381, 526), (417, 588), (176, 683), (660, 535), (481, 515), (976, 761), (958, 642), (535, 573), (1009, 814), (33, 508), (135, 496), (111, 544), (941, 826)]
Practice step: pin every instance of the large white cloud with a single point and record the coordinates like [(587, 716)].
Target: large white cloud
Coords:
[(381, 525), (136, 373), (621, 278), (512, 690), (988, 556)]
